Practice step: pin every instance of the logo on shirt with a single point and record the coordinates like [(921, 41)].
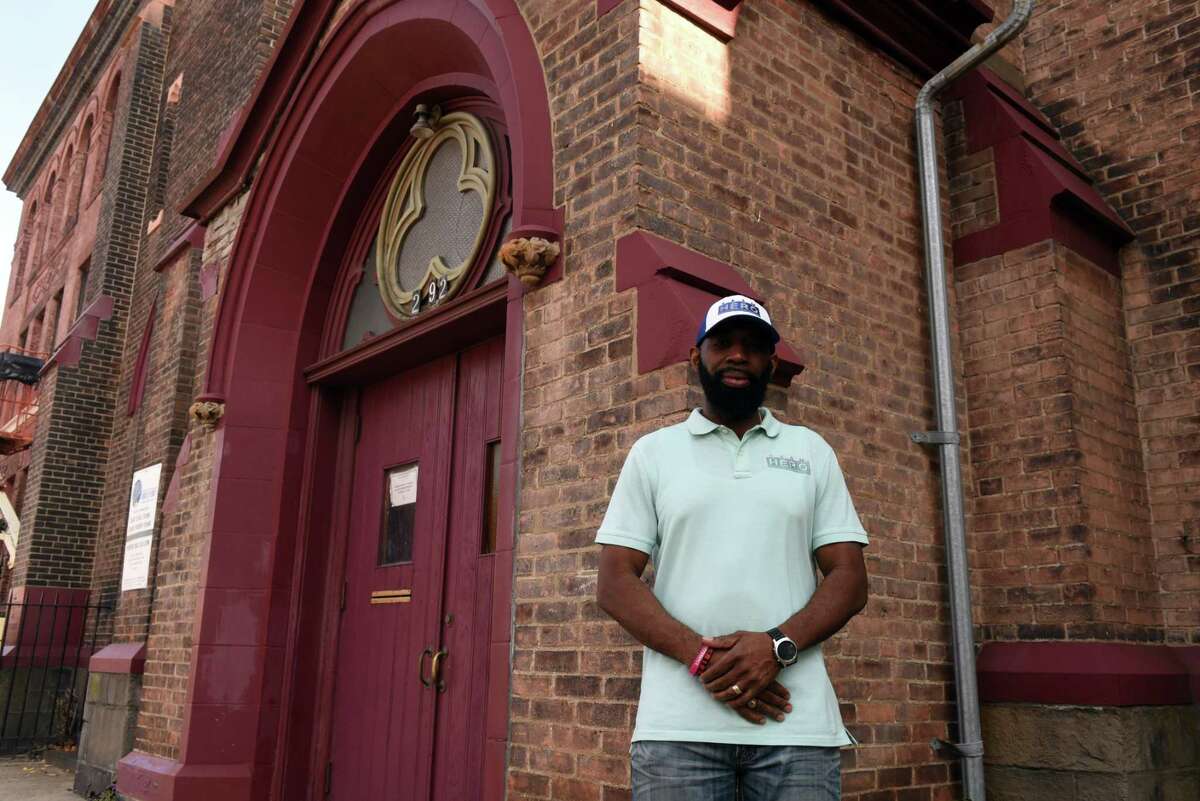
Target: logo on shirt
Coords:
[(739, 306), (789, 463)]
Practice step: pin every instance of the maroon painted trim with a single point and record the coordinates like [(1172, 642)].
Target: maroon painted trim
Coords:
[(120, 657), (151, 778), (925, 35), (675, 288), (138, 388), (1087, 673), (45, 632), (1190, 656), (1043, 192), (446, 329), (507, 48), (718, 17), (191, 238), (69, 352)]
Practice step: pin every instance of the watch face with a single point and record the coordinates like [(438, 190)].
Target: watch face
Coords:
[(787, 651)]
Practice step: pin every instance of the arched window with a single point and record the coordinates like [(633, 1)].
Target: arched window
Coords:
[(433, 228), (106, 126), (86, 163), (44, 231), (70, 170), (21, 264)]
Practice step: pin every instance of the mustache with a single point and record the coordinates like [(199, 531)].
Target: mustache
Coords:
[(763, 376)]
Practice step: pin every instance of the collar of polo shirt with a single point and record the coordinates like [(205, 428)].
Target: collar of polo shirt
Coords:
[(699, 425)]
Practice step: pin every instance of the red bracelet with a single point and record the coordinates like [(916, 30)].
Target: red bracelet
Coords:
[(700, 662)]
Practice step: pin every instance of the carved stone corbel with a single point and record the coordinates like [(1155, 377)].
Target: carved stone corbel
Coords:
[(207, 412), (528, 258)]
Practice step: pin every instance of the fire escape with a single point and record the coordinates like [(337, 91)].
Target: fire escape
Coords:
[(19, 372)]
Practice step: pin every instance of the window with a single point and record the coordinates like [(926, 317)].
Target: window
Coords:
[(399, 515), (81, 292), (435, 216), (491, 498), (435, 232)]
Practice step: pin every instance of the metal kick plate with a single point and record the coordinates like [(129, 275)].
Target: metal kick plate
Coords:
[(391, 596)]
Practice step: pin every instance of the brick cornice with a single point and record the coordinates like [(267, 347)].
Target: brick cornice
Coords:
[(925, 35), (101, 36)]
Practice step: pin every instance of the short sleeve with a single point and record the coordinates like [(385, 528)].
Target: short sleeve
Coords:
[(631, 520), (834, 518)]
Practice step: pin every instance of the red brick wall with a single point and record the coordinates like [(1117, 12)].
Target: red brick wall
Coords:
[(180, 547), (60, 514), (1119, 82), (1060, 520), (788, 154)]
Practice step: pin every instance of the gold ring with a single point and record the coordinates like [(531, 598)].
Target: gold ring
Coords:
[(752, 703), (736, 690)]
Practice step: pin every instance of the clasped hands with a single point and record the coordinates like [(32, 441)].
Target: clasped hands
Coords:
[(746, 659)]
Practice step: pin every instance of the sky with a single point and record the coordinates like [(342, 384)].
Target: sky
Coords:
[(38, 37)]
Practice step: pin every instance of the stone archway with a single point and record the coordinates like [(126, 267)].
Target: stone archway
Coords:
[(269, 322)]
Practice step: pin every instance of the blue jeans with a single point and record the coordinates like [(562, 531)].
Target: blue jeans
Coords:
[(682, 771)]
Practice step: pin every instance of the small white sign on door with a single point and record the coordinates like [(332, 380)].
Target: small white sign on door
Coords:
[(402, 485), (139, 528)]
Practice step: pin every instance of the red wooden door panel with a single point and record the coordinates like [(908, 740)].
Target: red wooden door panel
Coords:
[(393, 738), (383, 716), (467, 598)]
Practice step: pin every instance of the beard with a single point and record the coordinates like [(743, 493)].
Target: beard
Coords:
[(735, 403)]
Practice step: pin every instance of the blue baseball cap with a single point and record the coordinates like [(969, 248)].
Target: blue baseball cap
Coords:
[(735, 307)]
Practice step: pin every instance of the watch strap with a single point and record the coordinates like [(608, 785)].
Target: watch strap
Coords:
[(776, 635)]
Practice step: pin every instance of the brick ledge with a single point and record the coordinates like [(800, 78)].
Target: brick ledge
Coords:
[(119, 657), (1088, 673)]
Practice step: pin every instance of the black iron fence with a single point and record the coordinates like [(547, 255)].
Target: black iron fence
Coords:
[(46, 640)]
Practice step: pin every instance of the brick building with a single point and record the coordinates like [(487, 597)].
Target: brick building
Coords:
[(375, 295)]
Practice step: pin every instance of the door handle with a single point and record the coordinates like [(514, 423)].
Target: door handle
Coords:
[(421, 667), (436, 678)]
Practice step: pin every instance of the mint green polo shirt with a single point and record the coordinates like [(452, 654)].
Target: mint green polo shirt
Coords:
[(732, 526)]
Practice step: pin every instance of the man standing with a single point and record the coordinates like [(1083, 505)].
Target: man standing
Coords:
[(738, 510)]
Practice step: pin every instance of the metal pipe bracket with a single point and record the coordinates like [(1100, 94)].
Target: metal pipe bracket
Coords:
[(935, 437), (957, 750)]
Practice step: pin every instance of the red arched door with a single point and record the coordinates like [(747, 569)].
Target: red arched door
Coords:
[(412, 655)]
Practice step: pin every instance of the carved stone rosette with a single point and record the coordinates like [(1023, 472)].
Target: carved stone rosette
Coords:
[(529, 258), (206, 413)]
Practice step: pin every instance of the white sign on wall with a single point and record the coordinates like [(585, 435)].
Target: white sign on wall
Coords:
[(139, 530)]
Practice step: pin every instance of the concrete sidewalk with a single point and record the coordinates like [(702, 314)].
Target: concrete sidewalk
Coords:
[(24, 779)]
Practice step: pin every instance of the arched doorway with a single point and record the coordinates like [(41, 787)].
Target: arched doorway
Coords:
[(287, 451)]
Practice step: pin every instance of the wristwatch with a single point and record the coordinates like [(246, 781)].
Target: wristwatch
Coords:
[(786, 652)]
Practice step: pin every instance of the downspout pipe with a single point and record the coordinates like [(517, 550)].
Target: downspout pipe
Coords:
[(946, 438)]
